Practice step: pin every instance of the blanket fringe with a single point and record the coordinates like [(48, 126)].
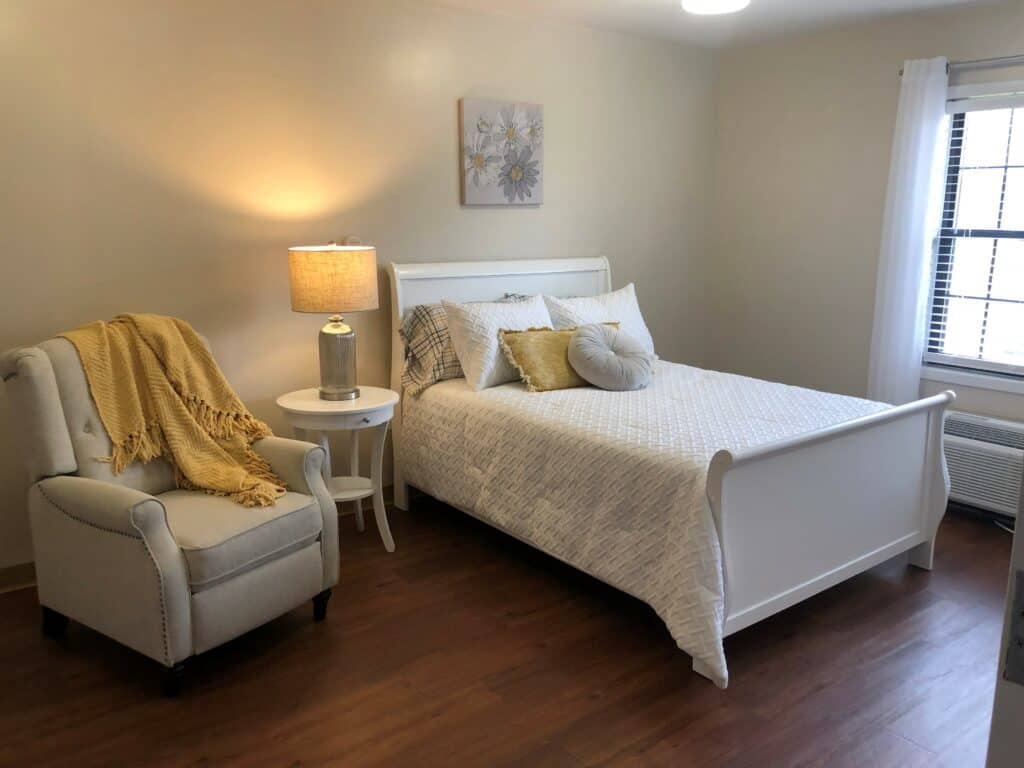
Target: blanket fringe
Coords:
[(150, 444), (224, 424), (143, 446)]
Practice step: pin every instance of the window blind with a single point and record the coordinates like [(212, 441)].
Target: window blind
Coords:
[(977, 300)]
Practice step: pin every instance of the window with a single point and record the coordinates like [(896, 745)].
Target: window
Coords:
[(977, 307)]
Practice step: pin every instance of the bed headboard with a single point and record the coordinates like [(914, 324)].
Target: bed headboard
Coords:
[(413, 284)]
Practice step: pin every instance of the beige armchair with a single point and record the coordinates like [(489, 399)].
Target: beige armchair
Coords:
[(170, 573)]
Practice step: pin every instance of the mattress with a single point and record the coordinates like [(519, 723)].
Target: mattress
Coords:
[(613, 483)]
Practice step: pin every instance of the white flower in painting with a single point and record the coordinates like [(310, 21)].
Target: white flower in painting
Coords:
[(534, 128), (519, 175), (483, 125), (510, 130), (480, 159)]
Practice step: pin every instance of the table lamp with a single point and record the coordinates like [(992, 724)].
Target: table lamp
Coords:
[(332, 279)]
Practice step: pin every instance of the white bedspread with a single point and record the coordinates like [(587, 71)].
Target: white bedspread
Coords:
[(612, 482)]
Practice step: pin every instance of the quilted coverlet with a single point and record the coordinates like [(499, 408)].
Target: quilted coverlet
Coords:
[(614, 483)]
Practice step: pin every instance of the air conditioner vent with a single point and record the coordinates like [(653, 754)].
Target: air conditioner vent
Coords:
[(987, 431), (986, 461)]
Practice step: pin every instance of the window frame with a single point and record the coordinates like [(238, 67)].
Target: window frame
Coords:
[(945, 241)]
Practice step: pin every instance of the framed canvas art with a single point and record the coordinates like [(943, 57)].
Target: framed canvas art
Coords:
[(502, 152)]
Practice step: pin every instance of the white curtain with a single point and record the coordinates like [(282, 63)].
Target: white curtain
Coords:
[(912, 214)]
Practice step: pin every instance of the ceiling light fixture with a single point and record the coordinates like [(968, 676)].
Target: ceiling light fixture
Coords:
[(714, 7)]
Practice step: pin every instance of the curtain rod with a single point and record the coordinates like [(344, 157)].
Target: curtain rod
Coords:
[(999, 61)]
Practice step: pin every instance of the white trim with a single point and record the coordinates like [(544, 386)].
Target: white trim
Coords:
[(983, 96), (724, 459), (970, 378), (977, 364), (985, 89), (436, 270)]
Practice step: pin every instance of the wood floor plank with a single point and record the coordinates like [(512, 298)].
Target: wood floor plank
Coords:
[(879, 747), (467, 648)]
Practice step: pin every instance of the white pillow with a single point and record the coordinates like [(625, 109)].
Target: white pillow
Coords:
[(618, 306), (474, 330)]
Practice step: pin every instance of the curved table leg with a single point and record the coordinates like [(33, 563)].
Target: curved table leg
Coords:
[(353, 465), (380, 434)]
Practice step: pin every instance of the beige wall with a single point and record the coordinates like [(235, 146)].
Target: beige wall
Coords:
[(805, 129), (162, 156)]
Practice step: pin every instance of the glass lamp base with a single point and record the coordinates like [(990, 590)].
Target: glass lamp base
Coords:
[(338, 361)]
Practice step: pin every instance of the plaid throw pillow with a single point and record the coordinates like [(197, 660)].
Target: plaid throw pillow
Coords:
[(429, 354)]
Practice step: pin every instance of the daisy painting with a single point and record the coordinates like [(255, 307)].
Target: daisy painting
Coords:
[(502, 152), (481, 159)]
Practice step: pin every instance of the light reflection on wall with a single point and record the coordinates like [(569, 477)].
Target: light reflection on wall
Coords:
[(421, 63), (264, 172)]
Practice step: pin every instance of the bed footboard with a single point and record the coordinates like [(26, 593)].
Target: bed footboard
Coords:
[(801, 515)]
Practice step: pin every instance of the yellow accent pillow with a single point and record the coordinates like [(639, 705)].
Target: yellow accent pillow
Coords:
[(541, 357)]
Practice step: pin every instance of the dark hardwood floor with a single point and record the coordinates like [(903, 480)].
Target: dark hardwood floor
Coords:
[(467, 648)]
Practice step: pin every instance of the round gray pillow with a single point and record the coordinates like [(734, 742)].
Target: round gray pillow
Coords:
[(609, 358)]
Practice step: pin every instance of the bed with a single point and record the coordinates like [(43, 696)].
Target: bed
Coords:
[(717, 499)]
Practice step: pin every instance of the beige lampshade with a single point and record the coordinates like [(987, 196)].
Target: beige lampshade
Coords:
[(333, 278)]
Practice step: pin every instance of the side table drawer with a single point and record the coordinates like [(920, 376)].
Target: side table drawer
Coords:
[(340, 421)]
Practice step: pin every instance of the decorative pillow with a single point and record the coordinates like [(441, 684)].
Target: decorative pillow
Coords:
[(609, 358), (474, 330), (541, 356), (620, 306), (429, 355)]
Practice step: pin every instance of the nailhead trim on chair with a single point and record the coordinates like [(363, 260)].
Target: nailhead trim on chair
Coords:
[(83, 521), (140, 537), (160, 578)]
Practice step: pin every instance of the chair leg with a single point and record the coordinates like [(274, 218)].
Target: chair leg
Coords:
[(171, 678), (320, 605), (54, 624)]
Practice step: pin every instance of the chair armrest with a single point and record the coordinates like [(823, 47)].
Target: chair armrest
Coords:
[(300, 465), (107, 506), (116, 512), (297, 463)]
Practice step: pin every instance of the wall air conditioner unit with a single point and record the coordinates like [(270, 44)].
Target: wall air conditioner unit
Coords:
[(986, 461)]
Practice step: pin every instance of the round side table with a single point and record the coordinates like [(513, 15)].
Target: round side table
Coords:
[(373, 409)]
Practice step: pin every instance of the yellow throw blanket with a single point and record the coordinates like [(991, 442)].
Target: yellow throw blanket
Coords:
[(159, 392)]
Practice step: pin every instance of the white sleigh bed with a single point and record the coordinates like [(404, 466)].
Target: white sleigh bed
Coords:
[(791, 516)]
